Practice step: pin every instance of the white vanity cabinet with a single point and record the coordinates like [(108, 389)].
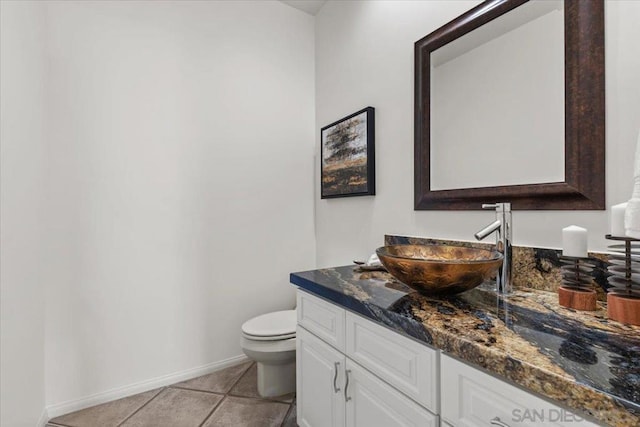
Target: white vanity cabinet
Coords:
[(472, 398), (335, 383), (354, 372)]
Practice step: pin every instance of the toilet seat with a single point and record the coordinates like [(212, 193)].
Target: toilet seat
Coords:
[(276, 326), (271, 338), (268, 346)]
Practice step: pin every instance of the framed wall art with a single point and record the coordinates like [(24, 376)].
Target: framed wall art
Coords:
[(348, 156)]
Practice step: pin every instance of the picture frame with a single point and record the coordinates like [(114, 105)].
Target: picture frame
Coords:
[(347, 156)]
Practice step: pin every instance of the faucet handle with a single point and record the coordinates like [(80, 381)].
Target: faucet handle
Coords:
[(499, 207)]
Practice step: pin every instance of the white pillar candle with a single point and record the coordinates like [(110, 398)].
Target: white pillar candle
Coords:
[(617, 220), (574, 241)]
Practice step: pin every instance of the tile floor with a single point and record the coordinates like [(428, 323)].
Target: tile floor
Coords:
[(224, 398)]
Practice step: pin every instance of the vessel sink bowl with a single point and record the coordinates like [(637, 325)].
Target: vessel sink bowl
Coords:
[(440, 269)]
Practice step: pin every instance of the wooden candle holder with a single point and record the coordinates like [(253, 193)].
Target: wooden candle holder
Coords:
[(577, 290), (577, 299), (624, 309), (623, 295)]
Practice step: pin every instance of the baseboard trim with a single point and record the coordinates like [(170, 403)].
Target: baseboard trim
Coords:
[(44, 417), (55, 410)]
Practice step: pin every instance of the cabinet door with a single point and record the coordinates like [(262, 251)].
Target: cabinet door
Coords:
[(407, 365), (320, 382), (471, 398), (373, 403)]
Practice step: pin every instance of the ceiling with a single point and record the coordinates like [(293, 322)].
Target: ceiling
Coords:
[(309, 6)]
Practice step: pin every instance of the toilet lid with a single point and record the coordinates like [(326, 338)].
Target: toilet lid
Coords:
[(276, 324)]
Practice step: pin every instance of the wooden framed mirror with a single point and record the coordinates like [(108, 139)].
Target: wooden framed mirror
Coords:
[(579, 181)]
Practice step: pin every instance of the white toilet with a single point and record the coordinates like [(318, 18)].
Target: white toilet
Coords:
[(270, 340)]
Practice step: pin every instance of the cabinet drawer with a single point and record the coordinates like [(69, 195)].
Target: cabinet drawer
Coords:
[(472, 398), (321, 318), (409, 366)]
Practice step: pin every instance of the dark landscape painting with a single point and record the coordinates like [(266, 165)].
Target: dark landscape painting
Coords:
[(348, 156)]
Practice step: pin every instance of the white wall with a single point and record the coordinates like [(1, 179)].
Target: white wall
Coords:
[(364, 56), (180, 184), (22, 194)]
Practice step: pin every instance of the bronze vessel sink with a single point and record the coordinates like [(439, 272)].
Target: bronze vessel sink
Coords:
[(440, 269)]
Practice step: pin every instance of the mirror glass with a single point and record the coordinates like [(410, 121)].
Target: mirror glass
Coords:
[(497, 102)]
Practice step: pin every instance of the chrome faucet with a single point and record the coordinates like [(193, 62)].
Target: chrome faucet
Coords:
[(502, 227)]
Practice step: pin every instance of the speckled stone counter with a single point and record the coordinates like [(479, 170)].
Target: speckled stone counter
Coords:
[(578, 359)]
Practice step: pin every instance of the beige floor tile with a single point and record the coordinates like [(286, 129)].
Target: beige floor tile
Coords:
[(175, 408), (248, 387), (217, 382), (106, 415), (247, 412)]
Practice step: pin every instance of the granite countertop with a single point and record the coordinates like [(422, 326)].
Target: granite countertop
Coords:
[(579, 359)]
